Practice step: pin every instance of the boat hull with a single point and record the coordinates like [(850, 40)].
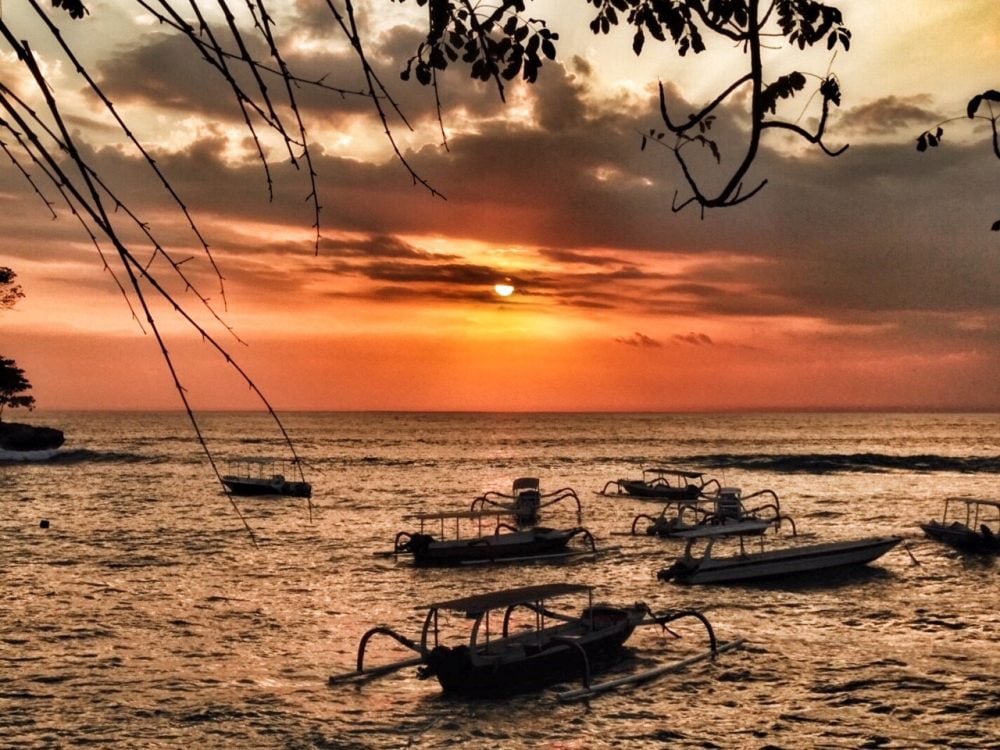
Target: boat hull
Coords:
[(647, 491), (962, 538), (776, 563), (533, 666), (245, 487), (488, 548)]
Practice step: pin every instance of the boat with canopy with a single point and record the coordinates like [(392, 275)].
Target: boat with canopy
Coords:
[(727, 507), (663, 483), (519, 642), (979, 532), (251, 477), (493, 540)]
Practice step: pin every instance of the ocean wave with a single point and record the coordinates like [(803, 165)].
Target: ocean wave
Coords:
[(84, 455), (871, 463)]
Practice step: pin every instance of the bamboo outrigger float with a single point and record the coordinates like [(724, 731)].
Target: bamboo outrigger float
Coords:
[(727, 508), (500, 543), (526, 500), (663, 484), (552, 648)]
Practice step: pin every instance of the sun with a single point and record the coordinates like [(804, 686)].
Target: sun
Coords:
[(504, 290)]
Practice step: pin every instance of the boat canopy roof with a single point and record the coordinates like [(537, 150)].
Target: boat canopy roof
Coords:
[(674, 472), (262, 460), (473, 606), (973, 501)]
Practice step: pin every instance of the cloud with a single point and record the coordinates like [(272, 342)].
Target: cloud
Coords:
[(640, 340), (890, 115), (695, 339)]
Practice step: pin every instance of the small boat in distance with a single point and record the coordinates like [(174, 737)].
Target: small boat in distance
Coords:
[(499, 542), (252, 477), (975, 534), (662, 483), (527, 645), (751, 566)]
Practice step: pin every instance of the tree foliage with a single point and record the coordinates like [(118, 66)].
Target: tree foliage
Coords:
[(497, 41), (10, 292), (13, 384), (991, 99)]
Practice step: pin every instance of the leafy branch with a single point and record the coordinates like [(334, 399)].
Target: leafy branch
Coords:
[(748, 23), (932, 138)]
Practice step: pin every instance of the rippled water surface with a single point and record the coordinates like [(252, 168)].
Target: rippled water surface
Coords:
[(145, 617)]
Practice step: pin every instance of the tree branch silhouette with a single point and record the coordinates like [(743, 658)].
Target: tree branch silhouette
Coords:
[(991, 98), (239, 45)]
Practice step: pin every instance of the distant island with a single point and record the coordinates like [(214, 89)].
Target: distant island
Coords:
[(25, 437)]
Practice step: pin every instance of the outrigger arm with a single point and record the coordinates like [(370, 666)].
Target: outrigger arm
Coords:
[(714, 649), (385, 668)]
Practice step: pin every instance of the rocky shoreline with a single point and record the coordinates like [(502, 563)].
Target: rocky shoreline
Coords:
[(24, 437)]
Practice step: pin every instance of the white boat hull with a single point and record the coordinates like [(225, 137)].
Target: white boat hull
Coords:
[(797, 560)]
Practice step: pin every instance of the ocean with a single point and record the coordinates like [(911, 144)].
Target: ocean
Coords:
[(144, 616)]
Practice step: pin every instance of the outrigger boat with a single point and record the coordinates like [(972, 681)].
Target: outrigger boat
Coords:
[(263, 476), (725, 508), (526, 500), (660, 483), (749, 566), (963, 536), (529, 646), (501, 543)]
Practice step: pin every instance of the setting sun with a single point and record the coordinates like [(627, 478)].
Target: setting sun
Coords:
[(504, 290)]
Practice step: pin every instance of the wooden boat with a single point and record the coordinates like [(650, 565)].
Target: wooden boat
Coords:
[(725, 507), (751, 566), (527, 646), (662, 483), (502, 542), (964, 536), (525, 501), (251, 477)]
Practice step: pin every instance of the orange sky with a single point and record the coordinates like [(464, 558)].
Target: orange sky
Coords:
[(867, 281)]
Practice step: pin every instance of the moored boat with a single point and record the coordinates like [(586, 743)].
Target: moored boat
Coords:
[(526, 500), (500, 543), (750, 566), (726, 507), (256, 477), (980, 531), (663, 483), (529, 645)]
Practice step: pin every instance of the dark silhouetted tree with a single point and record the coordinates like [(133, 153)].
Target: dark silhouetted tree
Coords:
[(991, 99), (13, 384), (9, 291)]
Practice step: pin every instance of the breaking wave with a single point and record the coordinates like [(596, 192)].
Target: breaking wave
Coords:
[(872, 463)]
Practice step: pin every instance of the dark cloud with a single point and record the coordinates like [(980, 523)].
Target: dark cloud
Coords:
[(376, 246), (875, 234), (575, 256), (889, 115), (640, 340), (695, 339)]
